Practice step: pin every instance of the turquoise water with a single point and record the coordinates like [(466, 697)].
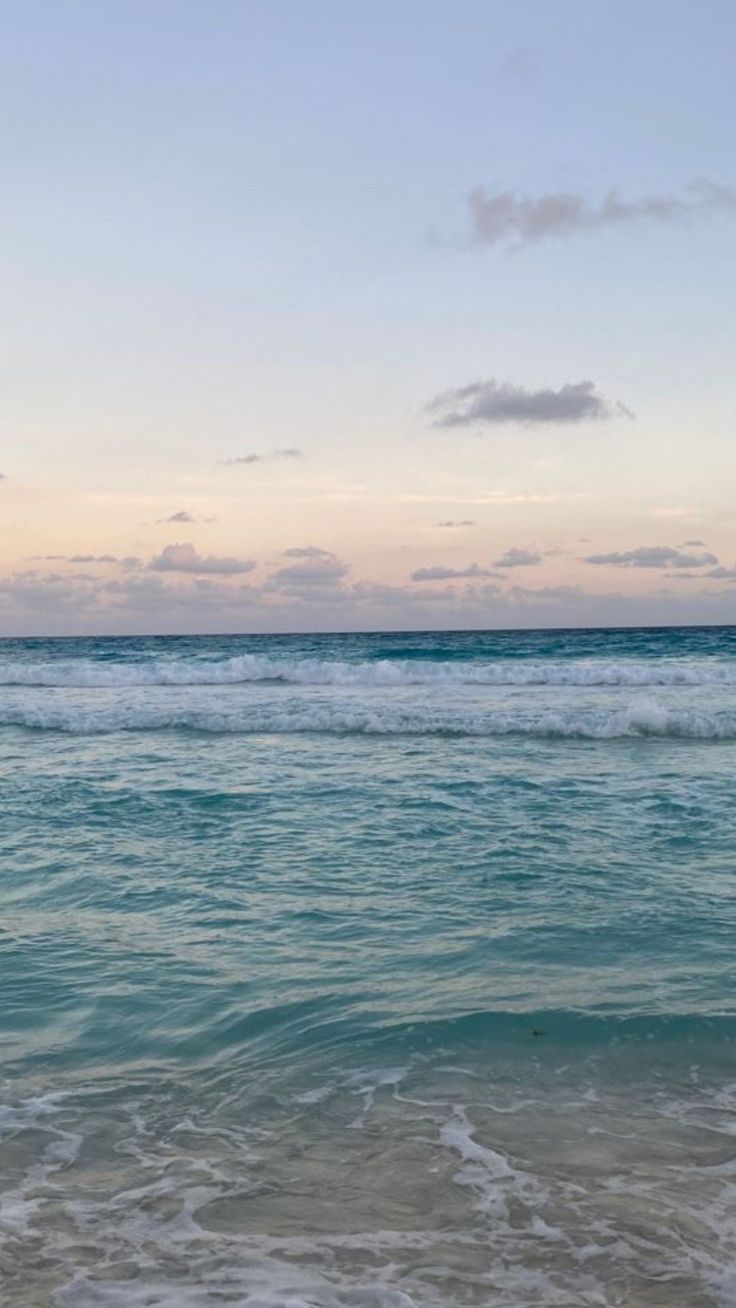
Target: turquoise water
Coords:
[(369, 970)]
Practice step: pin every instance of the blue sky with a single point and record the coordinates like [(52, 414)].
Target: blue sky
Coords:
[(234, 230)]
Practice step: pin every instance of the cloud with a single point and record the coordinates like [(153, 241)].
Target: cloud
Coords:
[(506, 218), (548, 594), (439, 573), (286, 452), (93, 558), (181, 516), (518, 559), (652, 556), (694, 544), (463, 522), (520, 63), (721, 573), (126, 561), (493, 403), (307, 552), (184, 558), (315, 570), (34, 603)]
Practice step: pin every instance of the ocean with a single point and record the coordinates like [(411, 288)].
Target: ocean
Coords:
[(369, 971)]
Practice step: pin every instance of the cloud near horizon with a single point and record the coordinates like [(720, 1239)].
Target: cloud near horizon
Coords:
[(288, 452), (185, 558), (127, 561), (506, 218), (722, 573), (438, 573), (493, 403), (515, 558), (307, 552), (651, 556), (318, 568), (148, 601)]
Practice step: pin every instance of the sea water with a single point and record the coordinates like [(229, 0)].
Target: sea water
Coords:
[(369, 971)]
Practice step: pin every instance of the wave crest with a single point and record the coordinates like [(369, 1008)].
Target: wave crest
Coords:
[(644, 720), (248, 668)]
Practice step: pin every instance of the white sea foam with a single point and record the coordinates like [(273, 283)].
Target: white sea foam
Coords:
[(645, 719), (248, 668), (515, 1213)]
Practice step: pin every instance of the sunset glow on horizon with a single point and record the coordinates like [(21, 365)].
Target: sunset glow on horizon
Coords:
[(405, 321)]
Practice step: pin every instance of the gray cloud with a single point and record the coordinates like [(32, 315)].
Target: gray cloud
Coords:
[(694, 544), (548, 594), (518, 559), (463, 522), (184, 558), (505, 218), (51, 603), (181, 516), (403, 597), (287, 452), (307, 552), (493, 403), (439, 573), (315, 570), (722, 573), (652, 556), (127, 561), (93, 558)]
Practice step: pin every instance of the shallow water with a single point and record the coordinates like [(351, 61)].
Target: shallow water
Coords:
[(369, 970)]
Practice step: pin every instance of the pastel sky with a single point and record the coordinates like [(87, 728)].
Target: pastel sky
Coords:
[(323, 315)]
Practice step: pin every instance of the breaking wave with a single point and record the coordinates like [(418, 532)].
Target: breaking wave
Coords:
[(646, 719), (249, 668)]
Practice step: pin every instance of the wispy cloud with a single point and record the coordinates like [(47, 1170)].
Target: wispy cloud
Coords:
[(515, 558), (184, 558), (128, 561), (651, 556), (493, 403), (93, 558), (287, 452), (438, 573), (500, 217), (463, 522)]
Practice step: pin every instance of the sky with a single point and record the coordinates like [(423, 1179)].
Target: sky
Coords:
[(336, 316)]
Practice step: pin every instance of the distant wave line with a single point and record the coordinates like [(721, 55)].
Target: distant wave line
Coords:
[(645, 720), (250, 668)]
